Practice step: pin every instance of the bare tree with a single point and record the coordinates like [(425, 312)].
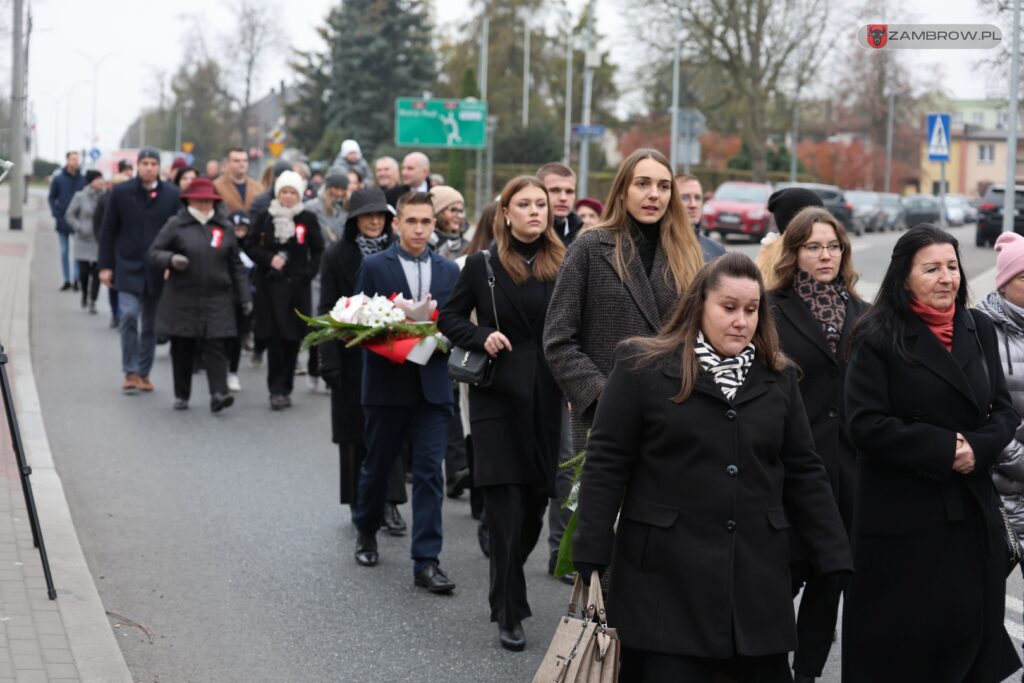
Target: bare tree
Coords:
[(764, 49), (254, 38)]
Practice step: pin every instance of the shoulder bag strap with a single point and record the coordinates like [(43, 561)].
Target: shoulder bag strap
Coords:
[(490, 283)]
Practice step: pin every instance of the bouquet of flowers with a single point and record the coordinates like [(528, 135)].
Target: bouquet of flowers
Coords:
[(394, 327)]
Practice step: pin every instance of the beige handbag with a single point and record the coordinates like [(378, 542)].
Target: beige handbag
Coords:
[(582, 650)]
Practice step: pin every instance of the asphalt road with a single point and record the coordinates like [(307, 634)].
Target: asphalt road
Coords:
[(219, 546)]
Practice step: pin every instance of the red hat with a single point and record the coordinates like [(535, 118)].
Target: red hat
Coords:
[(201, 188), (592, 203), (179, 162)]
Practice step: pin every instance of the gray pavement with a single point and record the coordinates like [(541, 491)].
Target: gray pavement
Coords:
[(217, 544)]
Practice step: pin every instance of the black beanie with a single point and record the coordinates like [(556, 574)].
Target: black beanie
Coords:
[(336, 178), (784, 204), (149, 153), (91, 175), (280, 167)]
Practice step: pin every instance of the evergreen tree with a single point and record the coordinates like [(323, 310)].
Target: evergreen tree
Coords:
[(457, 158), (380, 50)]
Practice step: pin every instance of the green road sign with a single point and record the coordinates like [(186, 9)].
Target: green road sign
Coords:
[(453, 124)]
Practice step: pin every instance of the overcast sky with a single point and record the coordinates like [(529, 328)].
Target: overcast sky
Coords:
[(69, 36)]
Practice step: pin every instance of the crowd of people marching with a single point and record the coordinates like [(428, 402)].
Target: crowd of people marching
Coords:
[(752, 430)]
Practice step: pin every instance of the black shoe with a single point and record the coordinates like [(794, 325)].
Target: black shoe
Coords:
[(458, 483), (393, 522), (483, 537), (114, 322), (276, 402), (181, 404), (92, 308), (219, 402), (802, 678), (65, 287), (434, 580), (568, 579), (286, 401), (74, 286), (512, 638), (366, 550)]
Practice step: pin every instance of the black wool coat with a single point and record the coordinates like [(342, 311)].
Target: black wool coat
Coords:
[(592, 310), (700, 559), (516, 421), (927, 598), (280, 293), (338, 270), (822, 374), (199, 301)]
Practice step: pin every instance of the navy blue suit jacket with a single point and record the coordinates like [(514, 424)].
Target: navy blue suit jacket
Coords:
[(390, 384)]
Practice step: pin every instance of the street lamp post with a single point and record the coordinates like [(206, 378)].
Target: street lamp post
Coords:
[(96, 63)]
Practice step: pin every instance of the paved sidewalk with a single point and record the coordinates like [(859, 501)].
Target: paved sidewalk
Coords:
[(68, 639)]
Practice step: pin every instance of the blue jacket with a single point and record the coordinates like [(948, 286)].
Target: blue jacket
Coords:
[(131, 221), (390, 384), (63, 187)]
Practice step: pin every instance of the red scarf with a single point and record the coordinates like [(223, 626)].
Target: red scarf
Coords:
[(939, 322)]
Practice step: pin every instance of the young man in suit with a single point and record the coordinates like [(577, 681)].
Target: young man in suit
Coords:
[(403, 401)]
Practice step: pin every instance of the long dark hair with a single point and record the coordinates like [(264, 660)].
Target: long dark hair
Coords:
[(886, 323), (680, 332), (484, 233)]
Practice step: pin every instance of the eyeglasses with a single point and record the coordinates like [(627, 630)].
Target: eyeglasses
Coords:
[(834, 249)]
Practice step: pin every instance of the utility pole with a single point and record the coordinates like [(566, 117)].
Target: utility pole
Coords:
[(888, 142), (526, 72), (567, 134), (482, 83), (177, 132), (588, 85), (17, 132), (1010, 195), (796, 119), (674, 143)]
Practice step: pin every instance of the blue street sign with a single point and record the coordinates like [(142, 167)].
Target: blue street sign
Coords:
[(95, 153), (594, 130), (189, 159), (938, 137)]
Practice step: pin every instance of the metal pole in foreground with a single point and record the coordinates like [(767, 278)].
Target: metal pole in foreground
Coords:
[(478, 180), (567, 142), (1010, 196), (526, 72), (588, 83), (674, 142), (942, 195), (888, 143), (17, 130)]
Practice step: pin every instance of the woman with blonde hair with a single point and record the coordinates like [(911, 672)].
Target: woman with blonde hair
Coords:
[(816, 308), (516, 419), (622, 278)]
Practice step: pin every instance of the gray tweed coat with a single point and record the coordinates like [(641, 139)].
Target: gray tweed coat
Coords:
[(591, 311)]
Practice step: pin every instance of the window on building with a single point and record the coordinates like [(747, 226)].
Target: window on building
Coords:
[(977, 117), (986, 154), (1002, 119)]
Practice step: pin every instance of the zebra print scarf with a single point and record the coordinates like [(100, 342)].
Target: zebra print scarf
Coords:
[(728, 373)]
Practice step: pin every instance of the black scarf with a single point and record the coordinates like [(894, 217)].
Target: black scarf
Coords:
[(371, 245)]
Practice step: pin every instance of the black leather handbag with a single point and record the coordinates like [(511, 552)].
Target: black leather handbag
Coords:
[(470, 366)]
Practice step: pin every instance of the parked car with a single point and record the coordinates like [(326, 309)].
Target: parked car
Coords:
[(956, 209), (739, 208), (921, 208), (892, 207), (990, 215), (834, 200), (867, 210), (971, 209)]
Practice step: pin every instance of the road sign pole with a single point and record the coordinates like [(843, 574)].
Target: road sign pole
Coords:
[(674, 157), (1010, 195), (582, 186), (942, 194), (17, 137)]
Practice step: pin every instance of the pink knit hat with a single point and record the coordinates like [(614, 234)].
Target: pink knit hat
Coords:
[(1010, 261)]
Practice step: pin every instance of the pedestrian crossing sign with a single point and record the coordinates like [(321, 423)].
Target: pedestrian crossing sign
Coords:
[(938, 137)]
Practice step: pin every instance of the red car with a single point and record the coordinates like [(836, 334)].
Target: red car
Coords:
[(739, 208)]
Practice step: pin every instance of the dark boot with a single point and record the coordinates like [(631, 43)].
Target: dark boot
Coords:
[(366, 550), (393, 522)]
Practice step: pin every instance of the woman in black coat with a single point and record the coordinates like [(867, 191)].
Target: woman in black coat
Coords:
[(285, 244), (367, 231), (815, 308), (929, 414), (701, 440), (516, 420), (201, 255)]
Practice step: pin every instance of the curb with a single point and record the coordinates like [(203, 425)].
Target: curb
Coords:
[(97, 655)]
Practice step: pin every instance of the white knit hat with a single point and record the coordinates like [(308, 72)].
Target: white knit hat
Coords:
[(349, 146), (290, 179)]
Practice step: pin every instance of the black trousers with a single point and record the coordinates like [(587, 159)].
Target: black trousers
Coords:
[(350, 459), (281, 357), (89, 278), (816, 620), (515, 516), (235, 343), (455, 456), (183, 352), (642, 666)]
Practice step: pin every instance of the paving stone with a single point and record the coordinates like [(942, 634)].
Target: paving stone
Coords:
[(31, 676), (57, 656), (61, 670), (27, 660), (24, 646)]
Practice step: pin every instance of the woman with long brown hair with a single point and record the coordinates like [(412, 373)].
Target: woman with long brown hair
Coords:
[(701, 442), (516, 420), (622, 278), (815, 307)]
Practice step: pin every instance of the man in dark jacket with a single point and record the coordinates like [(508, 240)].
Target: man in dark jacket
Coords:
[(415, 177), (63, 187), (135, 212), (560, 182), (691, 193)]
